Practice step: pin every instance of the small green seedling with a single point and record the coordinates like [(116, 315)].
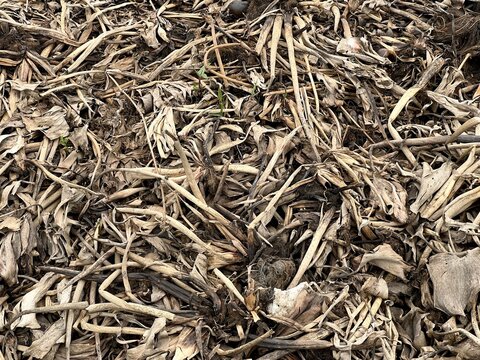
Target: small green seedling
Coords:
[(65, 142), (201, 73)]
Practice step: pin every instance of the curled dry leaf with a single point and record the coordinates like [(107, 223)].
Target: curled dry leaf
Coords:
[(150, 35), (154, 339), (200, 267), (456, 280), (412, 325), (376, 287), (461, 109), (51, 122), (79, 138), (43, 345), (8, 260), (185, 347), (430, 183), (387, 259), (10, 223), (162, 131), (391, 197)]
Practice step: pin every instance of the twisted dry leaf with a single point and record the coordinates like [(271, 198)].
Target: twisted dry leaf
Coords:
[(42, 346), (391, 197), (52, 122), (162, 131), (387, 259), (8, 260), (431, 182)]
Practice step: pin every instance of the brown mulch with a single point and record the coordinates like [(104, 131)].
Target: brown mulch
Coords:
[(224, 179)]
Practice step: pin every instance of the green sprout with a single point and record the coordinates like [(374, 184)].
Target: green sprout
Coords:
[(195, 88), (254, 89), (201, 73), (65, 142)]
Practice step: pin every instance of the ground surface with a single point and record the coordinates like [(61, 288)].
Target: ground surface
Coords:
[(266, 180)]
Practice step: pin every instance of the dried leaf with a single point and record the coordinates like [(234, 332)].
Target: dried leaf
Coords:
[(150, 35), (44, 344), (30, 299), (391, 198), (375, 287), (10, 223), (162, 131), (20, 85), (151, 345), (459, 109), (185, 347), (52, 122), (430, 183), (174, 173), (8, 260), (387, 259), (200, 268), (467, 350), (79, 138), (456, 280)]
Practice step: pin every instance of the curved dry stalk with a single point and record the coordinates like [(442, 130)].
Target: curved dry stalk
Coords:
[(82, 305), (131, 307), (294, 74), (171, 221), (312, 248), (276, 33), (432, 70), (247, 346), (61, 181), (235, 292)]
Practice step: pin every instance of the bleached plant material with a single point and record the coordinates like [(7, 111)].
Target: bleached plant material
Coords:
[(286, 302), (456, 280), (386, 258), (168, 169), (430, 182)]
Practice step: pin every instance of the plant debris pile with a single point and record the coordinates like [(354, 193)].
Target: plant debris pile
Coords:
[(287, 179)]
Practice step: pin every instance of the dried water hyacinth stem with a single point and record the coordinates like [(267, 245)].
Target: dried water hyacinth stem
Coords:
[(160, 163), (37, 30), (61, 181), (433, 69), (246, 346), (234, 290), (127, 306), (49, 309), (171, 221), (312, 249), (294, 74)]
